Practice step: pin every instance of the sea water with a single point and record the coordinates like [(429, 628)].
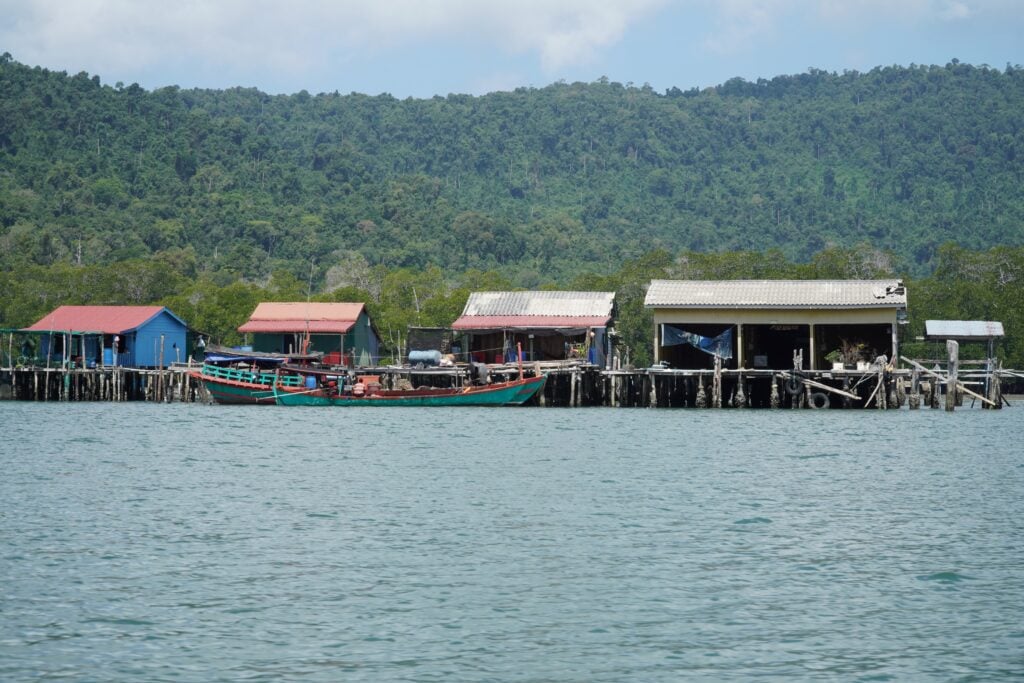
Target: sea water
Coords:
[(144, 542)]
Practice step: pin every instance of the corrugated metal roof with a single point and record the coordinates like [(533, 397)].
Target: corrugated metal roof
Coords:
[(301, 310), (272, 317), (776, 294), (284, 326), (528, 322), (963, 329), (105, 319), (560, 304)]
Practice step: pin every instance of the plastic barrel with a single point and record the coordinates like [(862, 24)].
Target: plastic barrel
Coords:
[(432, 357)]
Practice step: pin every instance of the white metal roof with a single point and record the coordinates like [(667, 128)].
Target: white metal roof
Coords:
[(963, 329), (776, 294), (564, 304)]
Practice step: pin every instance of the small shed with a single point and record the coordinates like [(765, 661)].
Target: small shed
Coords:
[(429, 339), (343, 332), (761, 323), (548, 325), (965, 331), (128, 336)]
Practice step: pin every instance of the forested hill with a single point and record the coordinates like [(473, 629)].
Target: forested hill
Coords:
[(538, 184)]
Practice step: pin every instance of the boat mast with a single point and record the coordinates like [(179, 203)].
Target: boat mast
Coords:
[(309, 292)]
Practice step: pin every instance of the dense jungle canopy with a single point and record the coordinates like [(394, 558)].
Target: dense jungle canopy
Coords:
[(212, 200)]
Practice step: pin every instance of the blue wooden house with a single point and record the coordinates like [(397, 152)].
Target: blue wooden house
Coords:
[(126, 336)]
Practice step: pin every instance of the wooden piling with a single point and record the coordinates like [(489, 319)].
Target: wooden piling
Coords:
[(740, 399), (953, 350), (716, 384), (567, 386), (157, 390), (937, 376), (880, 389), (995, 390), (914, 400)]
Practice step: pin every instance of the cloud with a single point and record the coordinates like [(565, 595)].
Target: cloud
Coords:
[(131, 36), (738, 24), (501, 81), (955, 11), (570, 32), (427, 46), (741, 25)]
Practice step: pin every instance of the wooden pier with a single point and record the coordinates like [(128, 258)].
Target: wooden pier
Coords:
[(927, 383), (113, 384)]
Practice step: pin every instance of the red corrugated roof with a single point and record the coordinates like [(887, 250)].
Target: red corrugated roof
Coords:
[(271, 317), (285, 326), (527, 322), (106, 319), (302, 310)]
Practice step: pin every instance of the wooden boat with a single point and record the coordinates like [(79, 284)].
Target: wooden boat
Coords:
[(238, 376), (233, 386), (513, 393)]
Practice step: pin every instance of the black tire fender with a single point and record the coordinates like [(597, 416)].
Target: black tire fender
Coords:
[(819, 399)]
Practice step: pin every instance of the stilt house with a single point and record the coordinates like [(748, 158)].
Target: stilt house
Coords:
[(761, 323), (342, 331), (126, 336), (548, 325)]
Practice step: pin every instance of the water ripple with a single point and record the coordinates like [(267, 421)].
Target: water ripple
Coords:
[(200, 543)]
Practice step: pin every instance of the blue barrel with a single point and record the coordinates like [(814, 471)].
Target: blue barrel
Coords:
[(432, 357), (310, 382)]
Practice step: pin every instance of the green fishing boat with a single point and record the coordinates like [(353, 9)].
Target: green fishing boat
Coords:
[(242, 376), (232, 386), (513, 393)]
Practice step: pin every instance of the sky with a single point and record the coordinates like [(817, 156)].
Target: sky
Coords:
[(423, 48)]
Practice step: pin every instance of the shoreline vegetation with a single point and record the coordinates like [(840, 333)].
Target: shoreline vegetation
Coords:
[(966, 285), (211, 201)]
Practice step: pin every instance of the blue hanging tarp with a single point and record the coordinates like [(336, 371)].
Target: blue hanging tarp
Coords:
[(720, 346), (241, 357)]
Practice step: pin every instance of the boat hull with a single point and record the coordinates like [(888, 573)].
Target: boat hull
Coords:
[(228, 392), (515, 392)]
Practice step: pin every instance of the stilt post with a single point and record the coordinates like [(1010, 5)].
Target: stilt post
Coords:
[(952, 371)]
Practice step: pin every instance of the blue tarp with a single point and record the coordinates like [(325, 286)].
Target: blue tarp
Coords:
[(218, 358), (720, 346)]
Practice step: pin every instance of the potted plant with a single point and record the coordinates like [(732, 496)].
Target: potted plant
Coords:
[(847, 356)]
